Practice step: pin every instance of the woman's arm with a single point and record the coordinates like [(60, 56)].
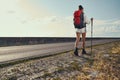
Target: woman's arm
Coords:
[(86, 20)]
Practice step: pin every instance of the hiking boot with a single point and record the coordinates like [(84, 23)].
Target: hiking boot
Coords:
[(83, 51), (76, 52)]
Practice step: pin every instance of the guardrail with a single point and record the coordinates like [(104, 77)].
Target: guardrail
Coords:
[(17, 41)]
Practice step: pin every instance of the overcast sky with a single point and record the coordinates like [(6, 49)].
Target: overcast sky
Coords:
[(54, 18)]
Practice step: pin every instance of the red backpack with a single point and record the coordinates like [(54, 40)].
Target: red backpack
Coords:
[(77, 19)]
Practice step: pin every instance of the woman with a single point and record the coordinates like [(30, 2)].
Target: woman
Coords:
[(80, 30)]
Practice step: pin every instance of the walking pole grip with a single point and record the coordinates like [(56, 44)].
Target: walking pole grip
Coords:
[(91, 22)]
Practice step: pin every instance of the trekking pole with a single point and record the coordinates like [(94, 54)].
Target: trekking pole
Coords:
[(91, 33)]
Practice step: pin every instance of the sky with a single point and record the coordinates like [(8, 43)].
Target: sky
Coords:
[(54, 18)]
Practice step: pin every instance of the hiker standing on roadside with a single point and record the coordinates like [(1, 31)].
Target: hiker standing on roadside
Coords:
[(80, 21)]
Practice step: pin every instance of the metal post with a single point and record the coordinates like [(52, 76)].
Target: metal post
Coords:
[(91, 33)]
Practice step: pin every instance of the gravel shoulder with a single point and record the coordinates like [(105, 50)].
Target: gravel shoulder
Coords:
[(103, 63)]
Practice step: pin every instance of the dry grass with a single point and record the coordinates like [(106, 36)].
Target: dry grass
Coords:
[(103, 67), (102, 64)]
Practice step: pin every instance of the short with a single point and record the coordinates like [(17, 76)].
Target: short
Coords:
[(82, 30)]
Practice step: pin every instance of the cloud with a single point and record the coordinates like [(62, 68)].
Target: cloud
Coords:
[(59, 26), (117, 22), (24, 18), (106, 27), (100, 22), (106, 22), (63, 26), (11, 11), (34, 10)]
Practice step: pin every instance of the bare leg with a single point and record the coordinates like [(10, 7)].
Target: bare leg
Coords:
[(77, 40), (76, 44), (83, 39), (83, 45)]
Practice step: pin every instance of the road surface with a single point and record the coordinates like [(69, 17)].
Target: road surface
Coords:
[(13, 53)]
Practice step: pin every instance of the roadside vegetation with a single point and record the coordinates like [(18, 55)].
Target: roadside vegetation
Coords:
[(102, 64)]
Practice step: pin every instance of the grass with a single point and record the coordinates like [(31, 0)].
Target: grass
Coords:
[(11, 78), (60, 69), (103, 68), (96, 67), (74, 66), (14, 62), (46, 74), (58, 78)]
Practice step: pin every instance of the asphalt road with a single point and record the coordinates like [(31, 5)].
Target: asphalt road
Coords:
[(13, 53)]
